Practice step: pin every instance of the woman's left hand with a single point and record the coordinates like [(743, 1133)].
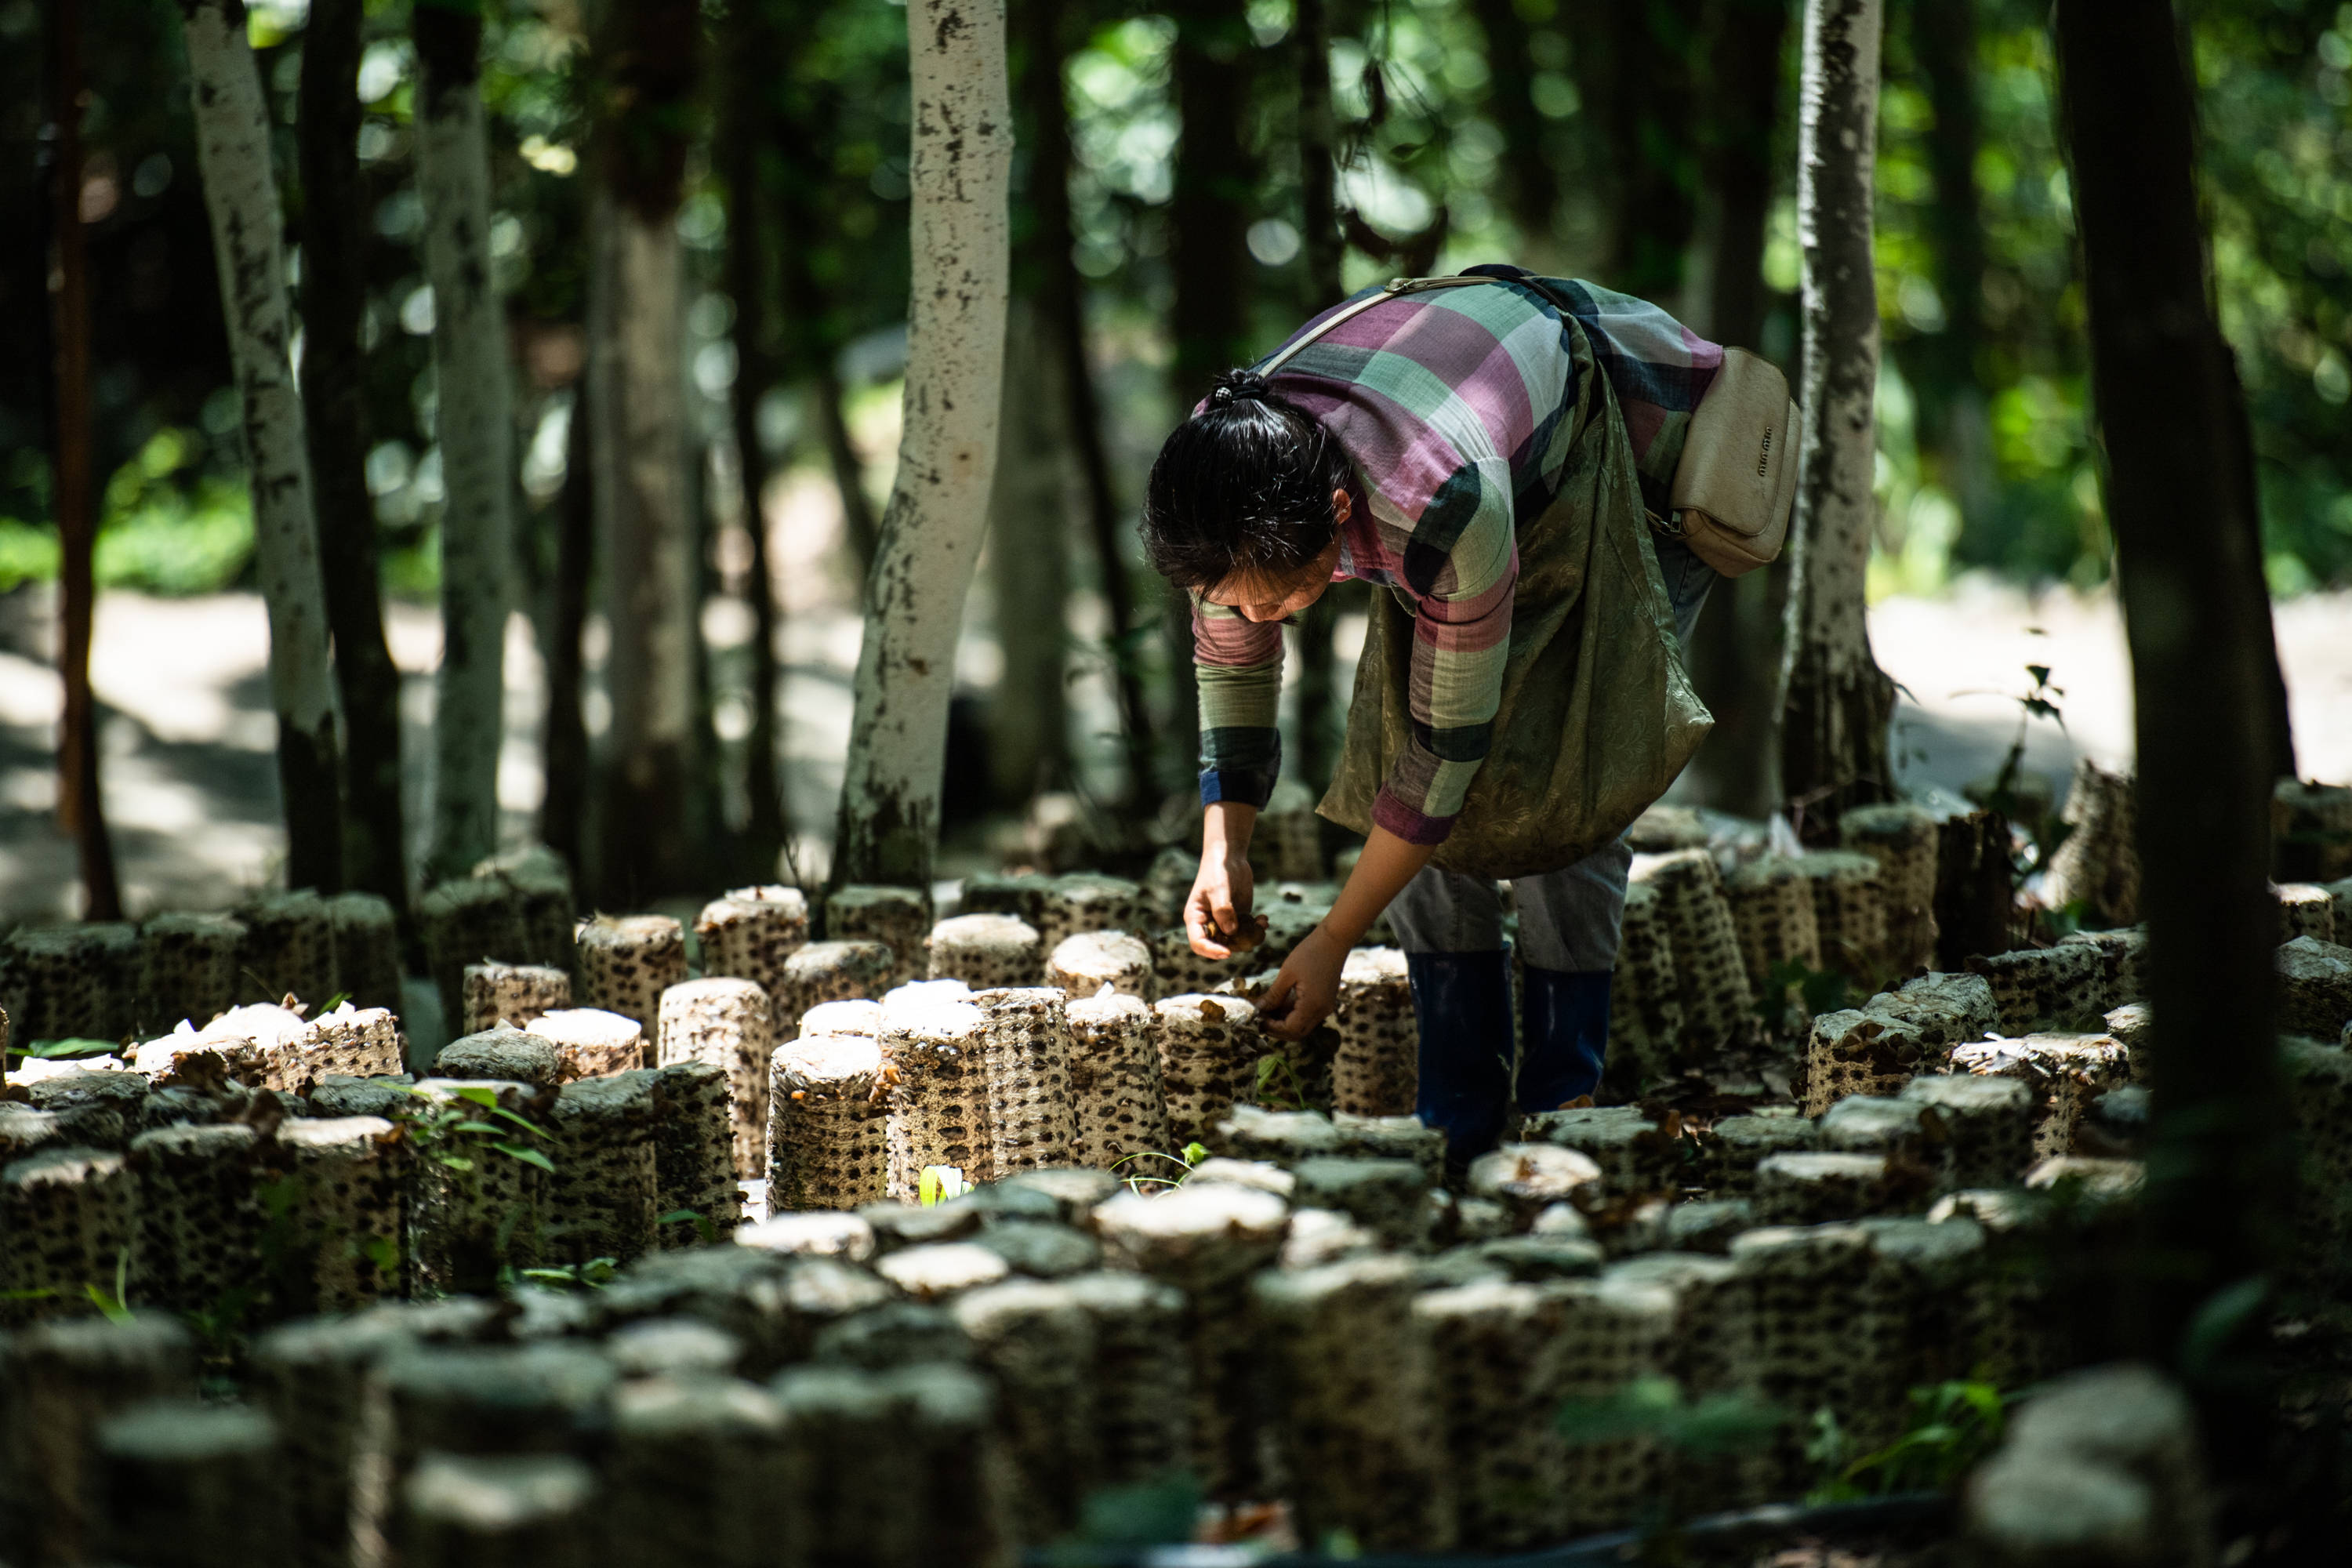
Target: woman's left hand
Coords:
[(1306, 988)]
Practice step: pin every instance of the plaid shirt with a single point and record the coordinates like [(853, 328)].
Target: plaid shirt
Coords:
[(1457, 405)]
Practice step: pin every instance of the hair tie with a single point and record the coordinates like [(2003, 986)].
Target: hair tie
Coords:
[(1234, 385)]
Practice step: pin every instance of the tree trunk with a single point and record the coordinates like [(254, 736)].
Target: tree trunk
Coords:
[(1325, 249), (1944, 42), (1062, 300), (241, 198), (1209, 212), (752, 67), (858, 523), (2201, 657), (1835, 700), (1742, 74), (805, 153), (1208, 219), (1634, 64), (1029, 560), (334, 407), (476, 420), (1735, 651), (81, 810), (2245, 488), (1531, 182), (960, 167), (646, 835), (563, 810)]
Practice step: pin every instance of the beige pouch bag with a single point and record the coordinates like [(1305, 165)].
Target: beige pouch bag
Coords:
[(1737, 478)]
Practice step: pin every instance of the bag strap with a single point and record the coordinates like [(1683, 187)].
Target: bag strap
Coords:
[(1393, 289)]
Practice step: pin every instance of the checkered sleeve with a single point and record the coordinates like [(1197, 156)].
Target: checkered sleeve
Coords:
[(1237, 667)]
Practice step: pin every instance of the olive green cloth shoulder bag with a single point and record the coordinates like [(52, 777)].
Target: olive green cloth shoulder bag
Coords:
[(1596, 715)]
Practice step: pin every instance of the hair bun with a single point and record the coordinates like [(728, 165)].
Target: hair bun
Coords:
[(1231, 385)]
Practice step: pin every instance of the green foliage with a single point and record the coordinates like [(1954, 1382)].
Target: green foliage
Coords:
[(1820, 990), (1137, 1181), (1279, 1081), (66, 1049), (2043, 831), (1656, 1407), (453, 1132), (113, 1305), (705, 1229), (1114, 1521), (2215, 1348), (593, 1274), (167, 526), (1948, 1428), (937, 1184)]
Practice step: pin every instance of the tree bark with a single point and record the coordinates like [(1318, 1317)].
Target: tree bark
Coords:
[(475, 405), (2201, 655), (960, 167), (1633, 62), (1209, 221), (1029, 550), (1944, 44), (752, 67), (857, 521), (802, 204), (1735, 651), (1325, 250), (241, 198), (1742, 49), (646, 832), (563, 810), (1062, 304), (81, 809), (1531, 182), (334, 298), (2245, 488), (1835, 700)]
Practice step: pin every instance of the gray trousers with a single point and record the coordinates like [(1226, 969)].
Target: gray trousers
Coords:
[(1569, 919)]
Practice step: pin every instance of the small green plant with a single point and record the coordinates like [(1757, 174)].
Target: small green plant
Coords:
[(114, 1306), (593, 1274), (1115, 1523), (68, 1049), (1136, 1182), (937, 1184), (446, 1130), (704, 1228), (1717, 1424), (2044, 832), (1948, 1428), (1820, 990), (1277, 1077)]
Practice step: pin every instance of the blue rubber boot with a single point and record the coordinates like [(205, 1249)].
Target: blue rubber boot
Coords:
[(1462, 1003), (1565, 1034)]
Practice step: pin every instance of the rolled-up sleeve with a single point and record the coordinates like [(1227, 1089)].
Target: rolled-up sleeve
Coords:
[(1462, 565), (1237, 665)]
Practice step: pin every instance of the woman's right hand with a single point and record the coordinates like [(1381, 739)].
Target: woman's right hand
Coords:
[(1217, 913)]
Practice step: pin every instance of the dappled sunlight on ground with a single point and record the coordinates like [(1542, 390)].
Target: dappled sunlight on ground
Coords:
[(191, 784)]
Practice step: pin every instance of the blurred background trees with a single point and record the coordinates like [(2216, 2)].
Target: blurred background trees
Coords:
[(697, 231)]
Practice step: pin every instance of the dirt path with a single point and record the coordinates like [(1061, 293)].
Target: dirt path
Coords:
[(191, 784)]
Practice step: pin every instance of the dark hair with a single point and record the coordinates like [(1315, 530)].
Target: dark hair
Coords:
[(1243, 486)]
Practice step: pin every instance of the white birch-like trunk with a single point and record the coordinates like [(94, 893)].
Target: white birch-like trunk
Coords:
[(645, 541), (960, 170), (1835, 700), (232, 122), (475, 419)]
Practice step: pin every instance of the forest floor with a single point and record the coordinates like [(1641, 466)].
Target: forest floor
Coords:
[(191, 784)]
